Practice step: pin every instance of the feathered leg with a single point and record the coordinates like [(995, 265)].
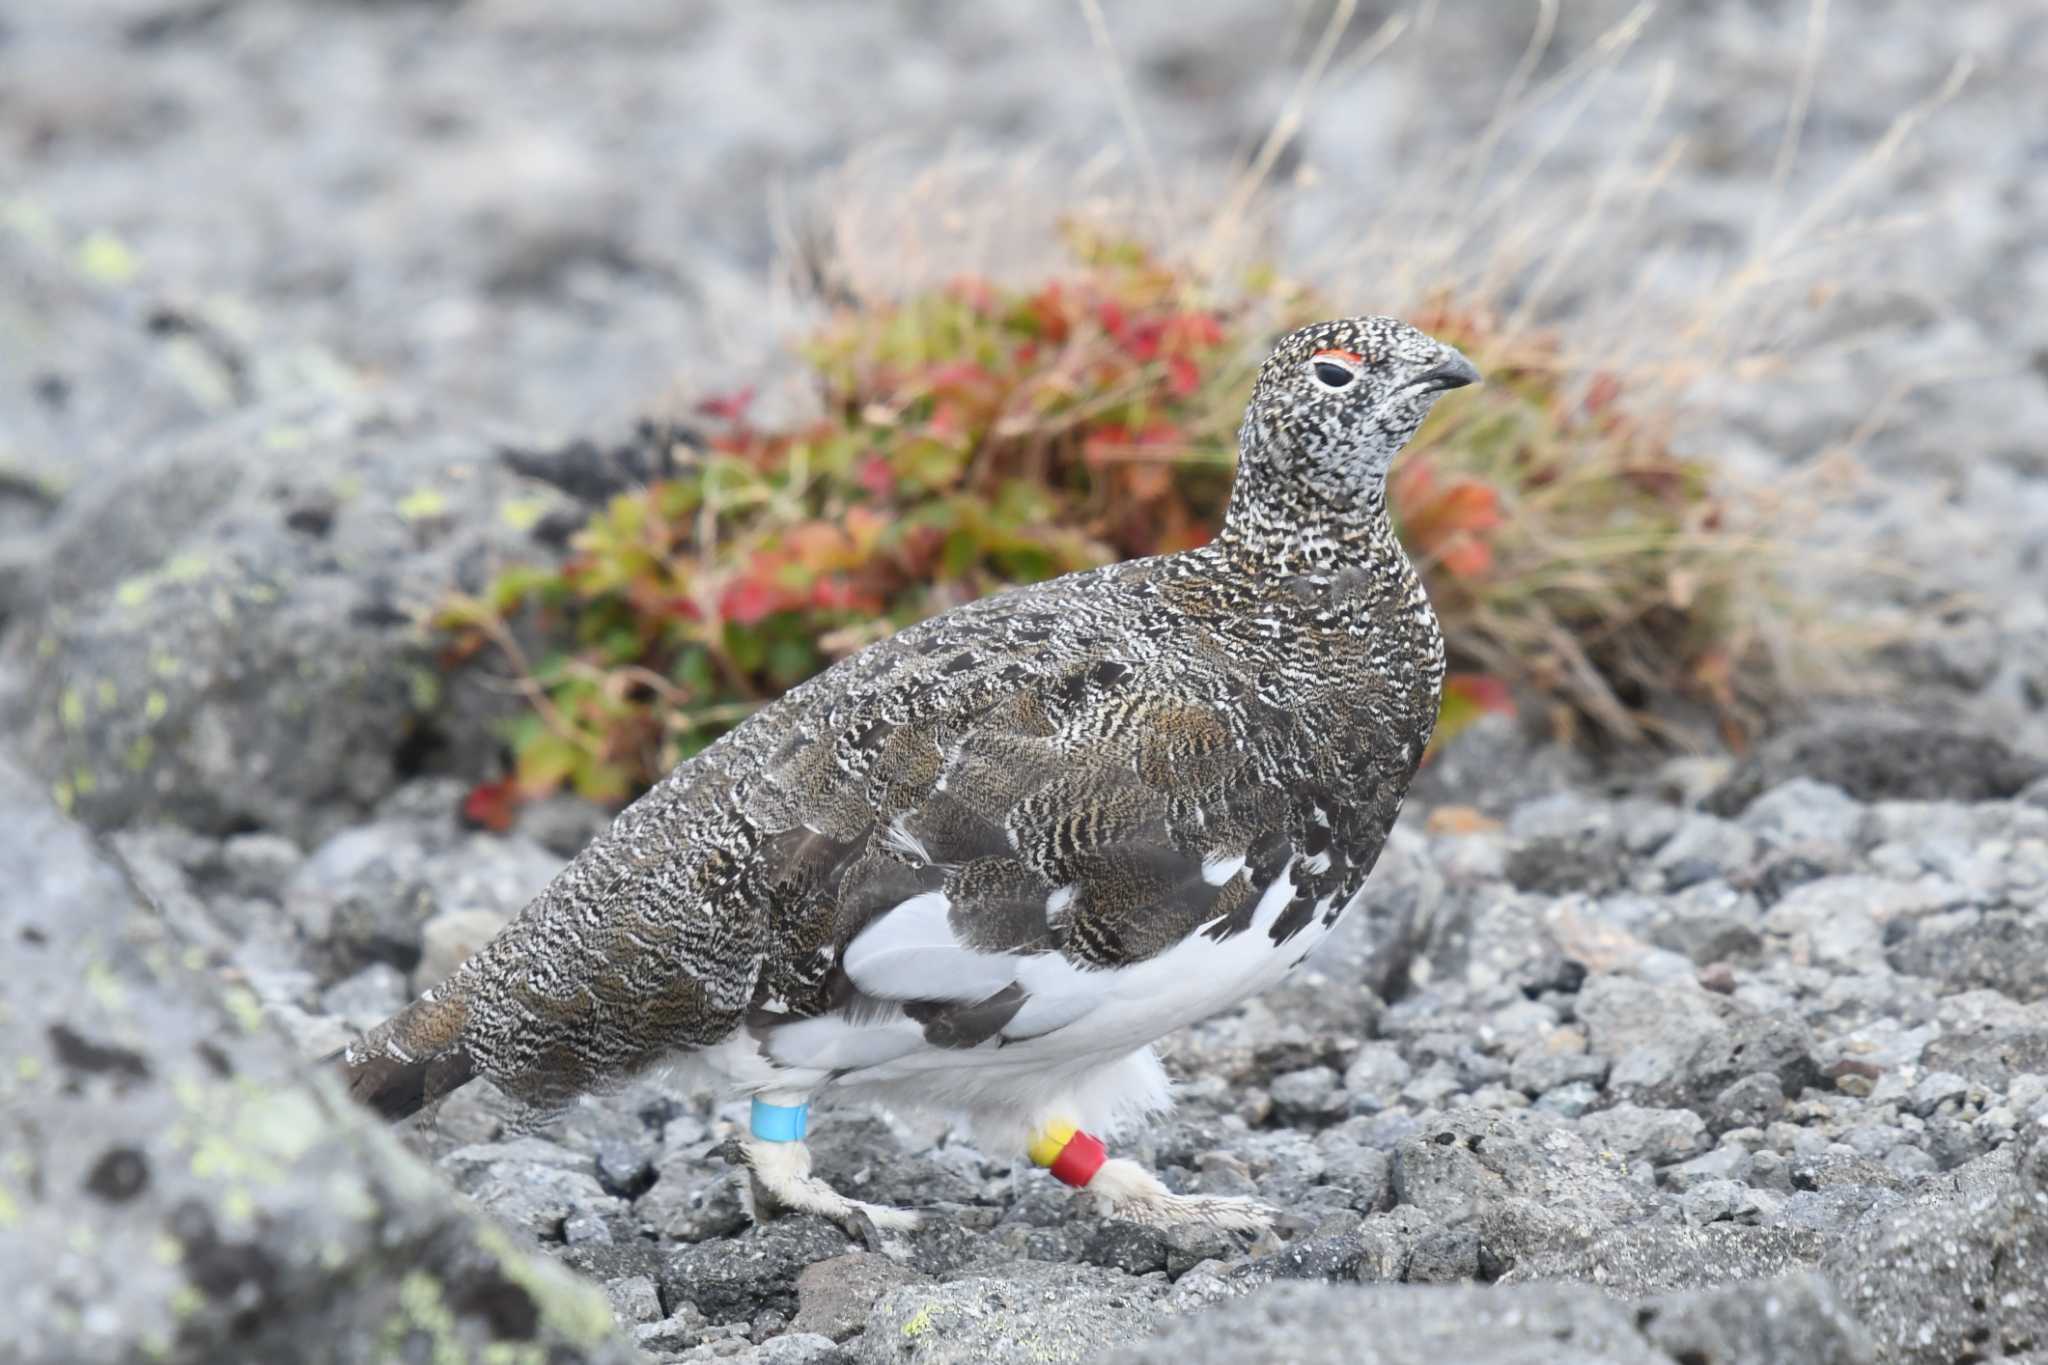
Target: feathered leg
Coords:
[(1124, 1189), (780, 1179)]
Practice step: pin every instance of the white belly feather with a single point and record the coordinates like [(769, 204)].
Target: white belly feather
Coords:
[(1075, 1021)]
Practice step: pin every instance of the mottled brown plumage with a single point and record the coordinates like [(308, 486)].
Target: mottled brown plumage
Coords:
[(936, 871)]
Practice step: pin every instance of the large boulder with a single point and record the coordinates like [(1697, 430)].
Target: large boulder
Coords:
[(1791, 1321), (230, 635), (177, 1187)]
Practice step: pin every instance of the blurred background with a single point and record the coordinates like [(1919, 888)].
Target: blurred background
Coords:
[(424, 422)]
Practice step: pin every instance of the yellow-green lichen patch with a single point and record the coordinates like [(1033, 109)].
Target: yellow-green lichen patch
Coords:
[(71, 708), (243, 1007), (105, 988), (422, 1312), (422, 504), (84, 781), (576, 1311), (106, 258), (186, 1300), (140, 752), (285, 1124), (425, 686), (238, 1208), (10, 1208), (106, 694), (920, 1323), (522, 514), (350, 1196), (133, 592), (286, 436), (185, 567), (154, 706), (61, 793)]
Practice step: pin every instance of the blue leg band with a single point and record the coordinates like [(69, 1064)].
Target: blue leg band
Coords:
[(780, 1122)]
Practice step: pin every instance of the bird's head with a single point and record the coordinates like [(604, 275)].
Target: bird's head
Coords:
[(1336, 401)]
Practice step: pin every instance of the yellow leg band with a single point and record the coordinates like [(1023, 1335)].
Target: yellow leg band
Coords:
[(1048, 1142)]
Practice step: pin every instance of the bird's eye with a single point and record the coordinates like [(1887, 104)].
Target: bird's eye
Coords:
[(1332, 375)]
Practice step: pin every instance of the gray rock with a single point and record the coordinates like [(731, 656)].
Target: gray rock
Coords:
[(796, 1348), (1956, 1275), (1548, 1063), (1789, 1321), (694, 1198), (1936, 1089), (259, 864), (1675, 1043), (734, 1279), (1570, 1100), (1804, 813), (1659, 1136), (1881, 761), (1025, 1311), (1718, 848), (2003, 950), (1311, 1095), (1723, 1163), (834, 1296), (677, 1332), (634, 1299), (1785, 1321), (1502, 1186), (368, 894), (1378, 1072), (369, 997), (225, 638), (533, 1184), (1656, 1258), (449, 939), (154, 1106), (1750, 1102)]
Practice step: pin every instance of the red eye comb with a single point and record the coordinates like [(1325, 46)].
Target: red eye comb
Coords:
[(1351, 357)]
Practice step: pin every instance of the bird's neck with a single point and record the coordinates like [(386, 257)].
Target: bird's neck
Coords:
[(1282, 520)]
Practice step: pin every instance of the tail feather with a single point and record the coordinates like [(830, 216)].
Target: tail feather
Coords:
[(411, 1059)]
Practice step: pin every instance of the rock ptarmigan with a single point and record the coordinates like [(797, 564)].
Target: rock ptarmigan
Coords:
[(984, 865)]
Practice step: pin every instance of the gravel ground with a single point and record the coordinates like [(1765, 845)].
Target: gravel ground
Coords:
[(1716, 1060)]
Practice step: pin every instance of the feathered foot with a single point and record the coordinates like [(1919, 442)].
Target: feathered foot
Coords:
[(780, 1181), (1124, 1189)]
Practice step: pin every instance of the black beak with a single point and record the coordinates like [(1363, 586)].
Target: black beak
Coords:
[(1452, 372)]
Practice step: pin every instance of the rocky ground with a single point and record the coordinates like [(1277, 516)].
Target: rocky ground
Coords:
[(315, 310)]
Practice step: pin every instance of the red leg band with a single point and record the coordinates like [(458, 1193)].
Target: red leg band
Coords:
[(1079, 1160)]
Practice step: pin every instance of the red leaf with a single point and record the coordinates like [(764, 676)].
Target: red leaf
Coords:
[(728, 407), (1604, 389), (1142, 340), (1182, 376), (1465, 558), (1105, 442), (1467, 505), (492, 805), (876, 476), (1482, 690), (1150, 482), (750, 600)]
